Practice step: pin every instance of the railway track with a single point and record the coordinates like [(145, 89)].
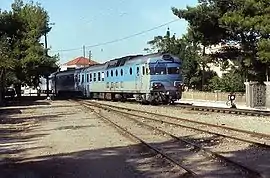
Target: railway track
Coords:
[(255, 138), (224, 110), (196, 147), (188, 173)]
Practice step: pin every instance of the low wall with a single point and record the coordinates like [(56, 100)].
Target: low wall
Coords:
[(217, 96)]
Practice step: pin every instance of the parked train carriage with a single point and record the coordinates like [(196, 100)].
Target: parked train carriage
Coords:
[(91, 80), (121, 79), (63, 83)]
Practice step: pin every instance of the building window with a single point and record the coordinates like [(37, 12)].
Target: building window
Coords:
[(130, 71)]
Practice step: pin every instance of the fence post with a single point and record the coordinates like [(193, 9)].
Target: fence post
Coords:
[(267, 94)]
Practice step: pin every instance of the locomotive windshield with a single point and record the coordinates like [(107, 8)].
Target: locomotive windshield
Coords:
[(173, 70), (164, 70)]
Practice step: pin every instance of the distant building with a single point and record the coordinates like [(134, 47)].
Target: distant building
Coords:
[(218, 48), (79, 62)]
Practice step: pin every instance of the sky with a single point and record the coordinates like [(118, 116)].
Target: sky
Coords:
[(91, 22)]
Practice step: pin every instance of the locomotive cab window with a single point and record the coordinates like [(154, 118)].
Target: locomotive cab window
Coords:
[(173, 70), (158, 70)]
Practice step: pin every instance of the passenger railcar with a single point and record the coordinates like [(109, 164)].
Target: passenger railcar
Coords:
[(154, 78)]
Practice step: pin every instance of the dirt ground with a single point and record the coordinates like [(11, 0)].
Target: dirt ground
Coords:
[(62, 139)]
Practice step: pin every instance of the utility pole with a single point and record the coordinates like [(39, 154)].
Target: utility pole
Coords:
[(83, 51), (90, 55)]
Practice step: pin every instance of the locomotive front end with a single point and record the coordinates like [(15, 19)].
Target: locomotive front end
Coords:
[(166, 80)]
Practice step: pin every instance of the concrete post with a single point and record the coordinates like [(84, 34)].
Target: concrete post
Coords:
[(250, 94), (267, 101)]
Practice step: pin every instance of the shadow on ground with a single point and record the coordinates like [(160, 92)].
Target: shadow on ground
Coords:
[(115, 162), (27, 101)]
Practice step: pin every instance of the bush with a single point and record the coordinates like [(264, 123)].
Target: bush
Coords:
[(230, 82)]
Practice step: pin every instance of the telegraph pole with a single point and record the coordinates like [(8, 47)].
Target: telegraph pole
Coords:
[(83, 51), (90, 55)]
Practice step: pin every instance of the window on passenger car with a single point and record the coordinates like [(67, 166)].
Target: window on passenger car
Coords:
[(116, 72), (143, 70), (90, 77), (111, 73), (102, 76), (107, 73), (121, 72), (138, 70), (87, 78), (147, 71), (95, 77), (130, 71), (98, 76), (82, 78)]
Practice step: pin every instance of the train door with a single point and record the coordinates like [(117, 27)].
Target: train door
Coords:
[(138, 78), (87, 85)]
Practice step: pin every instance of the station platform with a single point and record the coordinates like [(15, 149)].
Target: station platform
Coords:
[(221, 104)]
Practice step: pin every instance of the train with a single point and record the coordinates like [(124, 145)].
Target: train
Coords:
[(152, 78)]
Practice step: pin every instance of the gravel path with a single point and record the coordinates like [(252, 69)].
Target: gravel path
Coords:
[(251, 123), (63, 139)]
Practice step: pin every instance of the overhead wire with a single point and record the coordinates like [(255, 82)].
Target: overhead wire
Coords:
[(119, 39)]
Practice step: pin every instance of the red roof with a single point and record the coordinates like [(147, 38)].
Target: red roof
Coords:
[(81, 61)]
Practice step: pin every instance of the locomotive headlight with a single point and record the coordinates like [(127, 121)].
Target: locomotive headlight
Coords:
[(157, 85)]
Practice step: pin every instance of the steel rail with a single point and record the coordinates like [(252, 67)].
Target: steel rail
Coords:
[(134, 137), (189, 127)]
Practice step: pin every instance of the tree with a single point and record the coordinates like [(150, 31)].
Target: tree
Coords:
[(34, 62), (21, 52), (241, 22), (230, 82)]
